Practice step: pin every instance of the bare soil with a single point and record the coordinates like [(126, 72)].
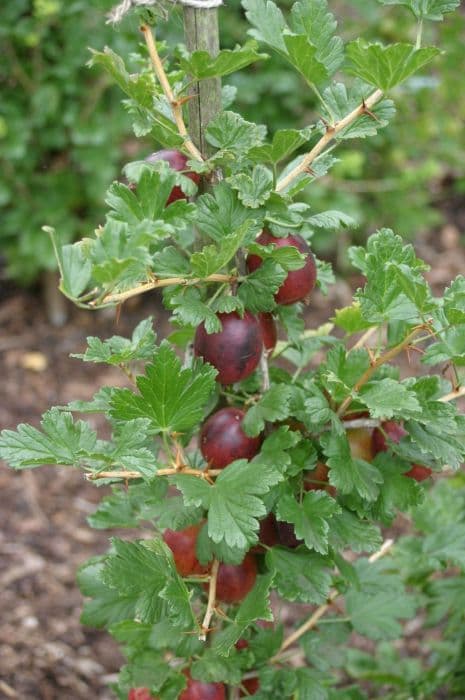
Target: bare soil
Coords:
[(45, 653)]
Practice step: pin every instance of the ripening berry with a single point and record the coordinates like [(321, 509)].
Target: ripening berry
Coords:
[(222, 439), (182, 543), (269, 330), (140, 694), (235, 581), (298, 283), (360, 443), (286, 535), (196, 690), (235, 350), (419, 472), (316, 479), (395, 432), (251, 686), (391, 430), (177, 161)]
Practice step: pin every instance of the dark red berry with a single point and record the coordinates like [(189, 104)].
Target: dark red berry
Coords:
[(390, 429), (235, 351), (269, 330), (395, 432), (268, 534), (177, 161), (419, 472), (140, 694), (235, 581), (250, 685), (286, 535), (222, 439), (298, 283), (182, 544), (317, 479), (196, 690), (241, 644)]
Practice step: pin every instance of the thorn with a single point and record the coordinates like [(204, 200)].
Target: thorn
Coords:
[(371, 356), (329, 127), (367, 111)]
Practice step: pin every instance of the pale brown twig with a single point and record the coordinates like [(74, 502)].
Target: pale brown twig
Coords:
[(383, 359), (457, 394), (170, 471), (211, 601), (156, 283), (175, 104), (331, 132), (361, 342)]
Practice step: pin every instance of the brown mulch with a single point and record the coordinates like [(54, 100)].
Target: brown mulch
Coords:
[(45, 653)]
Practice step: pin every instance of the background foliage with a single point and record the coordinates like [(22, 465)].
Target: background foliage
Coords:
[(55, 171)]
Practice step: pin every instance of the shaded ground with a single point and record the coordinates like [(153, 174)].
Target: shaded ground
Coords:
[(45, 654)]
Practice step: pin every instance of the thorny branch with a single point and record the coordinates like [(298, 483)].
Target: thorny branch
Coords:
[(331, 132)]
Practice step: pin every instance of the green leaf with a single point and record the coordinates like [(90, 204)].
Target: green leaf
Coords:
[(310, 518), (253, 190), (375, 610), (348, 474), (109, 605), (285, 142), (211, 258), (118, 350), (234, 502), (150, 114), (170, 262), (396, 289), (126, 508), (221, 212), (433, 10), (331, 219), (189, 309), (303, 56), (300, 575), (349, 531), (310, 685), (213, 668), (62, 442), (173, 399), (313, 19), (340, 100), (145, 570), (268, 22), (386, 66), (75, 270), (446, 446), (201, 65), (272, 406), (259, 287), (386, 398), (230, 132), (350, 319), (255, 606)]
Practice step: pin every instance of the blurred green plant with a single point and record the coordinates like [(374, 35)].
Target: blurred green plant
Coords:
[(62, 132)]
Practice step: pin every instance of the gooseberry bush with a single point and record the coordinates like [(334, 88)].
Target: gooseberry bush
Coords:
[(268, 459)]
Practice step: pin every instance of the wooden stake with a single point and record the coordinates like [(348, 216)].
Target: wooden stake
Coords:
[(202, 34)]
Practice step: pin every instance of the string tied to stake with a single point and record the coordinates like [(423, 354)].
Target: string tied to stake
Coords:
[(122, 9)]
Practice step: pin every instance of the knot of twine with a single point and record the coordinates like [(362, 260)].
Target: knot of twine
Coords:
[(118, 12)]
